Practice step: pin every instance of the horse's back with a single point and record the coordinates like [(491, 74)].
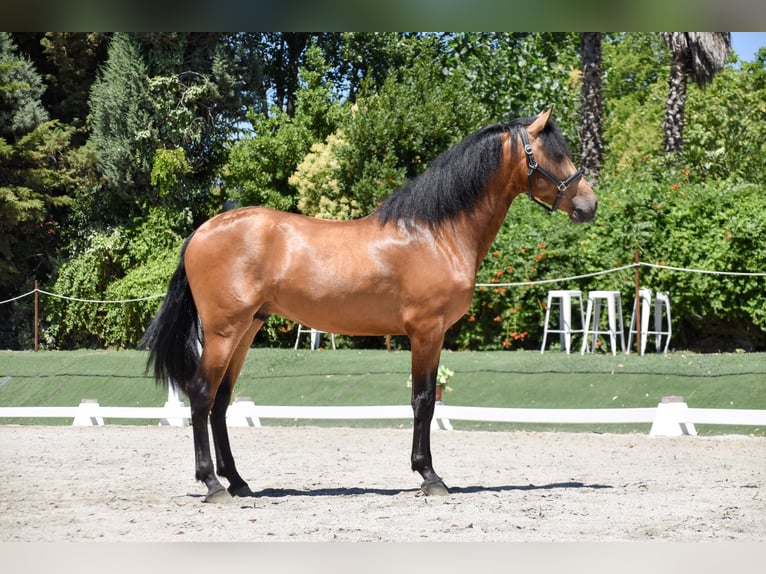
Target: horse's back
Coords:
[(284, 263), (357, 277)]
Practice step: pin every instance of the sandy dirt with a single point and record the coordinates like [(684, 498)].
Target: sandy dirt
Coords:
[(131, 483)]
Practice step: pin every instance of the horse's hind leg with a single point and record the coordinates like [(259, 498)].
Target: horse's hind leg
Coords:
[(224, 458), (223, 454), (203, 393), (200, 399)]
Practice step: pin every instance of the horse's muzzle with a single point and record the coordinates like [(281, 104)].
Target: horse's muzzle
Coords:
[(583, 214)]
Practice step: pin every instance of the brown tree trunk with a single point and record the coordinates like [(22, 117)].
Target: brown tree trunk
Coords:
[(673, 127), (700, 55), (592, 106)]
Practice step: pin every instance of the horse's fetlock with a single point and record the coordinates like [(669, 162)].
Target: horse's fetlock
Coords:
[(420, 462)]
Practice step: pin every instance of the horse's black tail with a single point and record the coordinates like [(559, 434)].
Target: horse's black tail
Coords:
[(173, 336)]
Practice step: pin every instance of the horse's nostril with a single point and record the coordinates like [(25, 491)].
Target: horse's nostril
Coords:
[(582, 216)]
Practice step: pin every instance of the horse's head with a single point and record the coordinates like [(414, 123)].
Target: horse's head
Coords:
[(553, 181)]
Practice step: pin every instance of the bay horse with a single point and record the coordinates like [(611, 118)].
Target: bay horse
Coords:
[(409, 268)]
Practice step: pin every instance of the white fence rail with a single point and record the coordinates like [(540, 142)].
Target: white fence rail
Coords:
[(670, 418)]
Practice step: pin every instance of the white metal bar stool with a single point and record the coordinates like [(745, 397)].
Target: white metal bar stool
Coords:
[(662, 301), (644, 299), (315, 337), (661, 304), (566, 299), (614, 319)]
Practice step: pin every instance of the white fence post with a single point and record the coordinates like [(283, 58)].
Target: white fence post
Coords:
[(88, 414), (671, 418), (440, 422), (173, 403), (242, 413)]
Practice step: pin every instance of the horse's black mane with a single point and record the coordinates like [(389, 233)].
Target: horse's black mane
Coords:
[(455, 180)]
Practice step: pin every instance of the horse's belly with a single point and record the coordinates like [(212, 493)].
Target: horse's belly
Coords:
[(351, 314)]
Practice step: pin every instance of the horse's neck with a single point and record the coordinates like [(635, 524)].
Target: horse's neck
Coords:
[(482, 226)]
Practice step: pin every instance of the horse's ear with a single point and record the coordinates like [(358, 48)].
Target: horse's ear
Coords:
[(538, 124)]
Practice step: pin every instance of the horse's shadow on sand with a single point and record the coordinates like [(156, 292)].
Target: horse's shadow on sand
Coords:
[(354, 491)]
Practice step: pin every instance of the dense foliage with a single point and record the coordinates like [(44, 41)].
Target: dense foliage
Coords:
[(714, 226), (114, 147)]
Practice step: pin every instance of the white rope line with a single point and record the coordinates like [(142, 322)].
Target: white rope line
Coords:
[(12, 299), (623, 268), (514, 284), (544, 281), (100, 300), (742, 273)]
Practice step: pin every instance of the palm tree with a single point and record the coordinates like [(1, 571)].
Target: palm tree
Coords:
[(592, 105), (697, 54)]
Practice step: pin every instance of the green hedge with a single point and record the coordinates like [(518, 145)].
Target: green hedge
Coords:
[(115, 264), (716, 226)]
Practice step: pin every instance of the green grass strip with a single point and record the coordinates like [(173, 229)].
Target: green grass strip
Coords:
[(519, 379)]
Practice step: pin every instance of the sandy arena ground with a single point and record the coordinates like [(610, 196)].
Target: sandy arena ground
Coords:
[(131, 483)]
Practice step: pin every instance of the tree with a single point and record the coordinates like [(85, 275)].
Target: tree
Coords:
[(21, 111), (164, 110), (634, 101), (591, 105), (119, 105), (725, 136), (391, 135), (283, 56), (520, 74), (201, 86), (69, 63), (37, 178), (261, 163), (21, 90), (368, 58), (697, 54)]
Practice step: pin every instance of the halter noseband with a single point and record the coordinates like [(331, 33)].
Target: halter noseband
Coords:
[(534, 166)]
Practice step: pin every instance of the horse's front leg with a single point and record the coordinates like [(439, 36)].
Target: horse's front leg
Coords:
[(425, 364)]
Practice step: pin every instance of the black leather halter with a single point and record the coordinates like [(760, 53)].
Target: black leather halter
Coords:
[(534, 166)]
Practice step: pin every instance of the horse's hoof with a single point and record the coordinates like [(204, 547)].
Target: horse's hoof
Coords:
[(241, 491), (435, 488), (218, 496)]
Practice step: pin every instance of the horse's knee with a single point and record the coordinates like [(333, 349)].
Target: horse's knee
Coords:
[(423, 406)]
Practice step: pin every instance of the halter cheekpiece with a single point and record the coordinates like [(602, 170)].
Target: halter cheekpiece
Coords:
[(534, 166)]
